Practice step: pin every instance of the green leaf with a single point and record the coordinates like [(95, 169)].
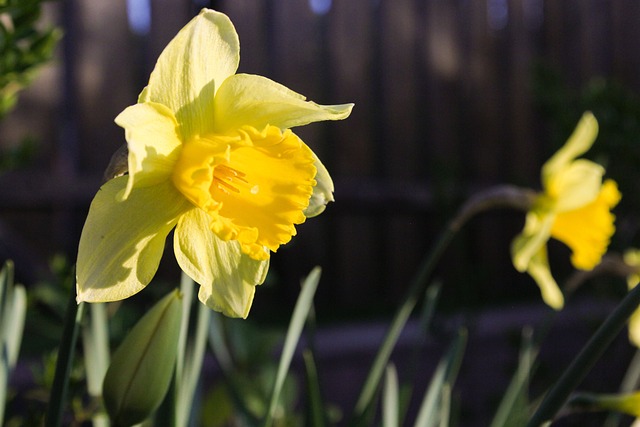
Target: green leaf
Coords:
[(435, 405), (142, 367), (303, 305), (13, 308), (316, 408), (514, 407), (390, 398)]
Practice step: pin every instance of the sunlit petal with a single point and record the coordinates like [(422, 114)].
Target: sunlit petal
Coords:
[(575, 186), (533, 238), (256, 101), (578, 143), (154, 146), (191, 68), (122, 242), (538, 269), (227, 277), (322, 192)]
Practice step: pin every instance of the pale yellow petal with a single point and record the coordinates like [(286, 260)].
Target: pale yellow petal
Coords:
[(191, 68), (577, 185), (256, 101), (153, 143), (578, 143), (226, 276), (122, 241), (538, 269), (322, 192), (533, 238)]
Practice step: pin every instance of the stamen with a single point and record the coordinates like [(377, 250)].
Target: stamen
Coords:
[(225, 177)]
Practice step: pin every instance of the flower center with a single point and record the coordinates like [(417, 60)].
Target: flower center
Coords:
[(255, 185)]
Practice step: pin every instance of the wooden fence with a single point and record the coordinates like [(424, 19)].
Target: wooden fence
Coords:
[(445, 105)]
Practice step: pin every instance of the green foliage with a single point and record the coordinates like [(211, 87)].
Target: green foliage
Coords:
[(141, 368), (23, 48), (13, 307)]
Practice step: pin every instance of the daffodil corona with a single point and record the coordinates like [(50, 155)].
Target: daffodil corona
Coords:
[(574, 208), (211, 154)]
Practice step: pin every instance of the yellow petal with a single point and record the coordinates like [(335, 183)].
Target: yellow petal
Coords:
[(533, 238), (588, 230), (122, 241), (226, 276), (575, 185), (322, 192), (538, 269), (256, 101), (191, 68), (153, 143), (578, 143)]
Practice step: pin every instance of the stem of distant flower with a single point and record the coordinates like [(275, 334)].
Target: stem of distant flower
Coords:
[(68, 340), (582, 364), (493, 198)]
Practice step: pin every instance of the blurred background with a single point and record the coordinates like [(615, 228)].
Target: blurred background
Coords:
[(452, 96)]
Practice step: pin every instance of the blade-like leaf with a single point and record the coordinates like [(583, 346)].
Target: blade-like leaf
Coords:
[(316, 408), (390, 398), (432, 409), (514, 407), (300, 312), (13, 308)]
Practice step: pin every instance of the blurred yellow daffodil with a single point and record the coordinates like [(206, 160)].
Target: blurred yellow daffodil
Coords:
[(211, 154), (632, 259), (574, 207)]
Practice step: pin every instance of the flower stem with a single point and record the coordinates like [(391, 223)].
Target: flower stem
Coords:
[(588, 356), (492, 198), (68, 340)]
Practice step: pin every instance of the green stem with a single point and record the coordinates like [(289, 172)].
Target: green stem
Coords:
[(588, 356), (66, 350), (493, 198)]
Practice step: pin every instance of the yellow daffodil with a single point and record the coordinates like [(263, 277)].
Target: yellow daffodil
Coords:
[(632, 259), (211, 155), (574, 207)]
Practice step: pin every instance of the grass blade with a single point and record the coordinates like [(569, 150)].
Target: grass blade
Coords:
[(300, 312), (432, 407), (390, 399), (316, 414), (514, 407)]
